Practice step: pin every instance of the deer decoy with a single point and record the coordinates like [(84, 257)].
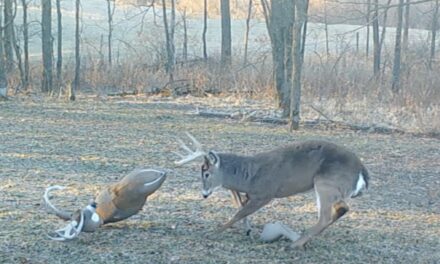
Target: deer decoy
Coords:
[(114, 203), (334, 173)]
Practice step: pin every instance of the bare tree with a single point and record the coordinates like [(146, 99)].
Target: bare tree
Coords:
[(9, 16), (279, 21), (185, 36), (110, 13), (59, 46), (76, 85), (395, 85), (205, 28), (376, 45), (3, 80), (226, 51), (434, 29), (246, 36), (406, 27), (17, 50), (47, 45), (24, 4), (368, 18), (172, 31), (304, 32), (327, 49), (299, 30), (169, 37), (379, 40)]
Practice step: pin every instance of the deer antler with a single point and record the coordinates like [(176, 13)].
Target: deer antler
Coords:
[(72, 229), (66, 232), (192, 155), (61, 214)]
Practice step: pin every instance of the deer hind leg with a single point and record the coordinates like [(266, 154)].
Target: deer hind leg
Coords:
[(251, 206), (240, 201), (331, 207)]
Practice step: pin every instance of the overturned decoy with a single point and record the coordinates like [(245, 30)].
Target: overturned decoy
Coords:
[(274, 231), (114, 203)]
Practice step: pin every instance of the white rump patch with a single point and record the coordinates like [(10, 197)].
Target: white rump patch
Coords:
[(318, 203), (360, 185)]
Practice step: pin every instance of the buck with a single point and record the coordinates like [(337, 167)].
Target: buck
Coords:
[(115, 203), (334, 173)]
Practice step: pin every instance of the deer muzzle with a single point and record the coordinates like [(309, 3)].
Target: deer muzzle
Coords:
[(206, 193)]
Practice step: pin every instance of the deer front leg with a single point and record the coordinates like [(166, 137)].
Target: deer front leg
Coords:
[(250, 207), (240, 201)]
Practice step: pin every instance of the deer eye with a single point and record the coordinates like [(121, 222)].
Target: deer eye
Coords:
[(206, 175)]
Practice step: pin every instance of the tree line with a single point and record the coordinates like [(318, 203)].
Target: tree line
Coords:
[(286, 22)]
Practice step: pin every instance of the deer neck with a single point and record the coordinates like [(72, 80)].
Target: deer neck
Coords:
[(236, 172)]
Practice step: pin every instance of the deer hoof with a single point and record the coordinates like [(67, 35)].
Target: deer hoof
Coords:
[(222, 228), (299, 244)]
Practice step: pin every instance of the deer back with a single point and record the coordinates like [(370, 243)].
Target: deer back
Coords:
[(289, 170), (126, 197)]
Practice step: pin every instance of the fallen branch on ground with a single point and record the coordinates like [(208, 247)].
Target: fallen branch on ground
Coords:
[(252, 117)]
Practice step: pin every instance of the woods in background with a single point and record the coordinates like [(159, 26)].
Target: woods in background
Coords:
[(293, 68)]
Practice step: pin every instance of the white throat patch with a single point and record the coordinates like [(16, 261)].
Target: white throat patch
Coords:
[(95, 218)]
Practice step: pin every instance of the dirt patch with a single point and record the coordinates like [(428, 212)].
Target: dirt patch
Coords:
[(87, 144)]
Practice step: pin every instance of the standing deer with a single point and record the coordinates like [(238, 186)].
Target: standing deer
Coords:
[(332, 171), (115, 203)]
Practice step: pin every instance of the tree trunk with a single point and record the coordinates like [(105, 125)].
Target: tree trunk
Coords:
[(368, 16), (395, 86), (226, 51), (289, 17), (185, 37), (47, 45), (279, 22), (76, 85), (304, 31), (406, 27), (25, 44), (110, 13), (246, 36), (169, 36), (327, 49), (205, 28), (8, 34), (3, 80), (376, 44), (378, 40), (172, 30), (17, 51), (278, 53), (301, 7), (434, 28), (59, 46)]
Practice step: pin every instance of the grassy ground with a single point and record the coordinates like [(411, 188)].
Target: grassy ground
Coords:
[(87, 144)]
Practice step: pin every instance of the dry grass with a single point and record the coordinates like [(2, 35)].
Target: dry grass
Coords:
[(89, 143)]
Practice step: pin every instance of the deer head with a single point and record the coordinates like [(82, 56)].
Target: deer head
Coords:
[(211, 174), (210, 170), (85, 219)]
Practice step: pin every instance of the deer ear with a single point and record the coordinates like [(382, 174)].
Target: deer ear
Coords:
[(206, 163), (214, 159)]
